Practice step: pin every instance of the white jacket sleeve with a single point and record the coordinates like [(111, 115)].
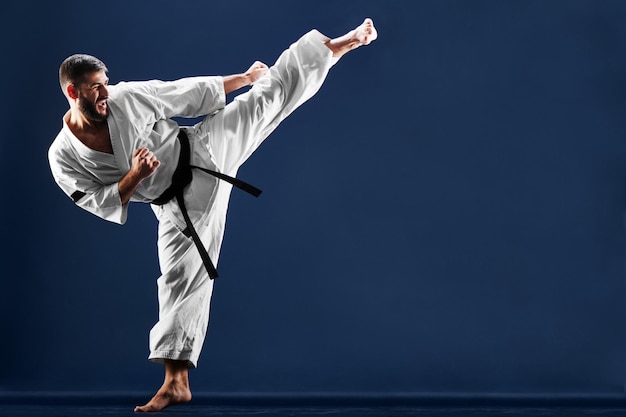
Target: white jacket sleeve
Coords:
[(103, 200), (149, 101)]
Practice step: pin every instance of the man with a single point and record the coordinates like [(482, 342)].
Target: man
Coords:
[(119, 144)]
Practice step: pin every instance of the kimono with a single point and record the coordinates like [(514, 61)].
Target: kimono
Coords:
[(140, 115)]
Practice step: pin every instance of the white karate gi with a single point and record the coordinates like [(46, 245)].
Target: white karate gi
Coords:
[(139, 116)]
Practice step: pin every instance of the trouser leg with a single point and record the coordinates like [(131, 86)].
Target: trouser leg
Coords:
[(184, 288), (237, 131)]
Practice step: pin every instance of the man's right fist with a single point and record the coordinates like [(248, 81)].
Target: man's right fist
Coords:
[(144, 163)]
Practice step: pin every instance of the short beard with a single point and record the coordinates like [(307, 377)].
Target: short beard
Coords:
[(90, 112)]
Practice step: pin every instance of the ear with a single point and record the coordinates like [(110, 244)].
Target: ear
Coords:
[(71, 91)]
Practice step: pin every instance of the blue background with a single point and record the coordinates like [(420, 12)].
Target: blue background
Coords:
[(445, 215)]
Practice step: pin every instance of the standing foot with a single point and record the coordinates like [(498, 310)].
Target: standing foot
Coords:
[(175, 389), (170, 394), (364, 34)]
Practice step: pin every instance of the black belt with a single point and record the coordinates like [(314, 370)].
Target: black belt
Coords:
[(180, 179)]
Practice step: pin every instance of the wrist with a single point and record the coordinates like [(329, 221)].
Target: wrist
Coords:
[(135, 177), (246, 79), (236, 81)]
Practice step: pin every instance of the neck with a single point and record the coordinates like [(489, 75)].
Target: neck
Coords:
[(77, 121), (93, 134)]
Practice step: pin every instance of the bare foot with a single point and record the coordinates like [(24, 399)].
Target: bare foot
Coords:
[(171, 393), (364, 34)]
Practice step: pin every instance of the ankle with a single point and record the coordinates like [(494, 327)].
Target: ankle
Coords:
[(176, 372)]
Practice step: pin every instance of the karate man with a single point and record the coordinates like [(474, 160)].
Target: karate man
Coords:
[(119, 144)]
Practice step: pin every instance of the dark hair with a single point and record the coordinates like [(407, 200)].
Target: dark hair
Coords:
[(74, 68)]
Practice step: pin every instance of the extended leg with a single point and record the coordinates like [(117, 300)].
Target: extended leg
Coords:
[(295, 77)]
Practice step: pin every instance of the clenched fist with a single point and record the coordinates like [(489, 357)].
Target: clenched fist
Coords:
[(256, 71), (144, 163)]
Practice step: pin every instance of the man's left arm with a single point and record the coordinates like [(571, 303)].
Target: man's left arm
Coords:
[(149, 101)]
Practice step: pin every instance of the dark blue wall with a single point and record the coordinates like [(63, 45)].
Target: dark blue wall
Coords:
[(446, 215)]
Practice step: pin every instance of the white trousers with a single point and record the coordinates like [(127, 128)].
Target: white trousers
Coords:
[(222, 142)]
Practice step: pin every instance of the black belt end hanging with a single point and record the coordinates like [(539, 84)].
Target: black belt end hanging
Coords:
[(206, 259), (182, 176)]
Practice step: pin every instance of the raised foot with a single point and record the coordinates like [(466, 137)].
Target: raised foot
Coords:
[(366, 33), (169, 394)]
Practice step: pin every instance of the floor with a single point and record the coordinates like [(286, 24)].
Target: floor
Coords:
[(115, 410), (117, 404)]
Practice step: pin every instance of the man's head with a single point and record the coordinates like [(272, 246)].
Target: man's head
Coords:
[(84, 80)]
